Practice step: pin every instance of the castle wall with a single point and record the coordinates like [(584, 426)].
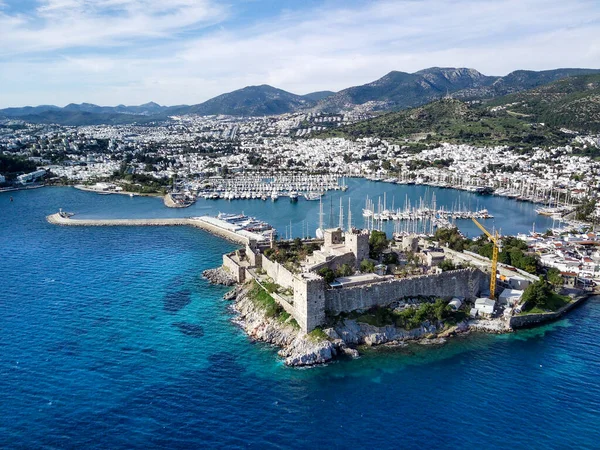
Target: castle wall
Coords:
[(254, 258), (278, 273), (457, 283), (234, 268)]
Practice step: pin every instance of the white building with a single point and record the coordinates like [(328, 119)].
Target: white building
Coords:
[(485, 305), (510, 297)]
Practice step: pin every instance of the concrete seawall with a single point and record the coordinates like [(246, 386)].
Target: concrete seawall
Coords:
[(531, 320), (197, 222)]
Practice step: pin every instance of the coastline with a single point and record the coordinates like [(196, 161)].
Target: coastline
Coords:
[(342, 339), (345, 337)]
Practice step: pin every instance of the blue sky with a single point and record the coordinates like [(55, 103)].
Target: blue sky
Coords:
[(187, 51)]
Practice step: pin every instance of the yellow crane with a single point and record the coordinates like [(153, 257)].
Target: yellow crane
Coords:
[(495, 239)]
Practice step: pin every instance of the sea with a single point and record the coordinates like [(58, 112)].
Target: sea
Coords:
[(111, 339)]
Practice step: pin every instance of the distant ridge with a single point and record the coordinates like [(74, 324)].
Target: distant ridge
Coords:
[(394, 91)]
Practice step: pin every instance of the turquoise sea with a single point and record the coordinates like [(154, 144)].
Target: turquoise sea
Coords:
[(110, 338)]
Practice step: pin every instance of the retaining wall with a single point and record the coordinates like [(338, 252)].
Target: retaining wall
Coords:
[(529, 320)]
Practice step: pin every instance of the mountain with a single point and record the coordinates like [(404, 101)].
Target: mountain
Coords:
[(249, 101), (395, 91), (82, 118), (526, 119), (398, 90), (44, 113), (320, 95)]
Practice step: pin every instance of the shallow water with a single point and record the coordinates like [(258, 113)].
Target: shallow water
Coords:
[(110, 338)]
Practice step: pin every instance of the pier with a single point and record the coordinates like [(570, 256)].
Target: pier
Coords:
[(206, 223)]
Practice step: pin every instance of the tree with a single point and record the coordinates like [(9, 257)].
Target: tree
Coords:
[(327, 274), (377, 243), (345, 270), (554, 277), (390, 258), (537, 293)]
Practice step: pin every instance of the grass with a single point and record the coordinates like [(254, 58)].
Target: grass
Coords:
[(264, 301), (553, 303), (409, 318), (271, 287)]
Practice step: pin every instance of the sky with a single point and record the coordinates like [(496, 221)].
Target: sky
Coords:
[(111, 52)]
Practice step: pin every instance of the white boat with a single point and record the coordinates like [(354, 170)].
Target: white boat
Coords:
[(274, 196), (293, 196), (312, 196)]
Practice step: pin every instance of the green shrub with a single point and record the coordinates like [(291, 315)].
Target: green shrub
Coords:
[(318, 335), (327, 274), (367, 266)]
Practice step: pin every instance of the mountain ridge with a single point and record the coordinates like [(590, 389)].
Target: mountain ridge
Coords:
[(396, 90)]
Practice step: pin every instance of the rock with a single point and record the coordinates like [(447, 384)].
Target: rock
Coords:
[(297, 348), (332, 334), (219, 276), (432, 341), (304, 351), (352, 352), (231, 295)]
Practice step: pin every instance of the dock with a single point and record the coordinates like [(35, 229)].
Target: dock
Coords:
[(206, 223)]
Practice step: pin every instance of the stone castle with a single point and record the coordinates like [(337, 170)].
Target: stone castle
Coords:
[(306, 296)]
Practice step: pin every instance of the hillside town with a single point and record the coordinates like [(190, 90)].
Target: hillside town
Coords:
[(201, 151)]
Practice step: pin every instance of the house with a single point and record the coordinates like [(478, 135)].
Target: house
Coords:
[(510, 297), (485, 306)]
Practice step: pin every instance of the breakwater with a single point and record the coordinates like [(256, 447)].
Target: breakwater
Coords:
[(198, 222)]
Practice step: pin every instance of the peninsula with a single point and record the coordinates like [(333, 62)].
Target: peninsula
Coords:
[(319, 299)]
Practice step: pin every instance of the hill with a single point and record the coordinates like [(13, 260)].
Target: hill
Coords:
[(250, 101), (572, 103), (451, 120)]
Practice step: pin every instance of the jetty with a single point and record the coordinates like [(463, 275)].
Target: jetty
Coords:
[(210, 224)]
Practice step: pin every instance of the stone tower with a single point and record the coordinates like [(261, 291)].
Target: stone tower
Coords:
[(357, 241)]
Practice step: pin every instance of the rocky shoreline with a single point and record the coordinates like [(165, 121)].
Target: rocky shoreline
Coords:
[(219, 276), (344, 338)]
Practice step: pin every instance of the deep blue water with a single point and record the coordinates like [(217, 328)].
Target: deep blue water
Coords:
[(110, 338)]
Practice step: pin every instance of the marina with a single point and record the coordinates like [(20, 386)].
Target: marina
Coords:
[(264, 187)]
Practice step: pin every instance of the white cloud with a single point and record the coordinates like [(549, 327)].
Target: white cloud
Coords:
[(332, 47)]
